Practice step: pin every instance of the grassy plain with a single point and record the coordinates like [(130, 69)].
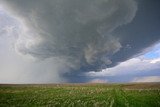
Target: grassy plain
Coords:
[(80, 95)]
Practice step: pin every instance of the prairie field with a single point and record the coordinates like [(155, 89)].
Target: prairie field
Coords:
[(80, 95)]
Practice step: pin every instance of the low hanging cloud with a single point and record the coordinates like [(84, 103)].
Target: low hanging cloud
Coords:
[(79, 33)]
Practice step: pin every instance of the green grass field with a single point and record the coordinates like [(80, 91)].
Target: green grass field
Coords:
[(81, 95)]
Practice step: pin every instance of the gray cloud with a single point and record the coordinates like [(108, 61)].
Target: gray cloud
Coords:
[(79, 31), (82, 33)]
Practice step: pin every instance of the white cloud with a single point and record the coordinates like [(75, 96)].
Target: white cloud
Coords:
[(144, 65), (147, 79), (155, 61), (131, 66)]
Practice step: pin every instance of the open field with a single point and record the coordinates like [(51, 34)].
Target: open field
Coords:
[(80, 95)]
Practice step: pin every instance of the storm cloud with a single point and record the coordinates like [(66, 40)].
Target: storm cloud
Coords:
[(86, 35)]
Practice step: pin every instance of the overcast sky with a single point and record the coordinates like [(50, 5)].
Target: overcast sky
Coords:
[(57, 41)]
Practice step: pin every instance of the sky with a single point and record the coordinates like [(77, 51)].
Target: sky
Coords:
[(79, 41)]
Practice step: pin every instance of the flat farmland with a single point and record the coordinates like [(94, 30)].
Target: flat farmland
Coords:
[(80, 95)]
